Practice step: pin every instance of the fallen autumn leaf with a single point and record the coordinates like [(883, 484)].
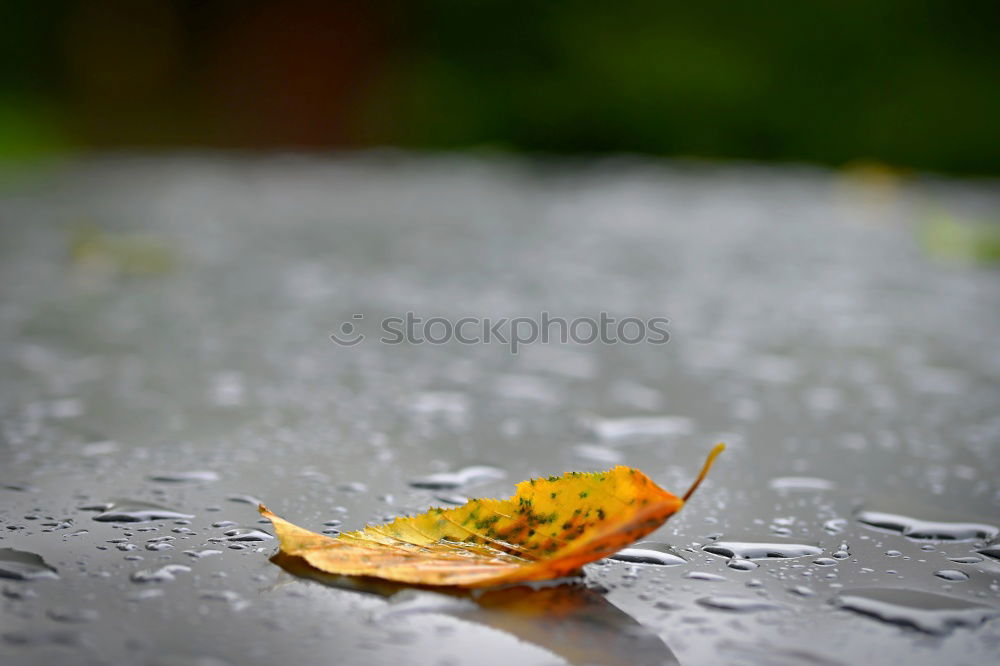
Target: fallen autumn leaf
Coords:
[(548, 529)]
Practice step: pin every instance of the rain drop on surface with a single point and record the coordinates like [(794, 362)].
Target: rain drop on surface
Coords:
[(185, 477), (463, 477), (245, 534), (73, 615), (704, 575), (649, 552), (753, 550), (451, 498), (924, 611), (132, 511), (245, 499), (597, 453), (162, 575), (22, 565), (737, 604), (803, 483), (953, 575), (642, 426), (915, 528), (143, 595), (740, 564), (835, 525), (991, 551)]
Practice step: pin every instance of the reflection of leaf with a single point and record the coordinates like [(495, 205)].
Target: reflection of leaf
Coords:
[(548, 529), (574, 622)]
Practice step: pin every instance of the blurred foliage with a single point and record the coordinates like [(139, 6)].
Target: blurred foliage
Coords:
[(950, 238), (115, 254), (905, 82)]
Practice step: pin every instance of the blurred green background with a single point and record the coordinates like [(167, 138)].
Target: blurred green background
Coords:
[(909, 83)]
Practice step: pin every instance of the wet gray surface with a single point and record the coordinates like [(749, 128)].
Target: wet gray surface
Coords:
[(855, 381)]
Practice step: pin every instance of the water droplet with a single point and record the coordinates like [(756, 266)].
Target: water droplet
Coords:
[(17, 593), (142, 595), (802, 591), (741, 564), (99, 448), (452, 405), (952, 574), (73, 615), (803, 483), (22, 565), (971, 559), (892, 553), (931, 613), (245, 499), (641, 427), (752, 550), (737, 604), (184, 477), (914, 528), (161, 575), (235, 601), (835, 525), (204, 552), (451, 498), (227, 389), (991, 551), (463, 477), (66, 408), (601, 454), (245, 534), (824, 561), (132, 511), (649, 552), (352, 487), (703, 575)]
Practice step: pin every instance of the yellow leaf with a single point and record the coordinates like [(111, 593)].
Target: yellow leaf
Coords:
[(548, 529)]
